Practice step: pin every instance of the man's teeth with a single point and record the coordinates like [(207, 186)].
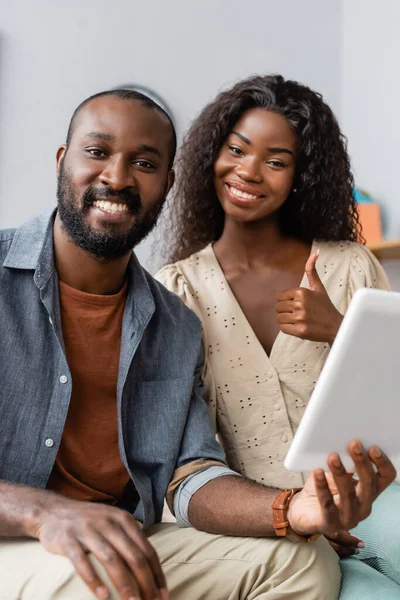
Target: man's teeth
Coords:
[(243, 195), (111, 207)]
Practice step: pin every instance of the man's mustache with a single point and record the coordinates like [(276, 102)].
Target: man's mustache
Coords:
[(124, 196)]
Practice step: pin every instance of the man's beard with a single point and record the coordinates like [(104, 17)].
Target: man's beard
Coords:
[(107, 243)]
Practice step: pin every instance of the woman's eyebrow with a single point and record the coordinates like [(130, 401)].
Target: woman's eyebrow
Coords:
[(275, 149)]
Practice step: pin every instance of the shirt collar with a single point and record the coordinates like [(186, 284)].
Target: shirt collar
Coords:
[(32, 248)]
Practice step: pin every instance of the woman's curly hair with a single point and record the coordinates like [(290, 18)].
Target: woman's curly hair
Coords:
[(322, 207)]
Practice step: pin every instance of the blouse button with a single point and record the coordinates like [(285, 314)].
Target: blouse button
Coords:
[(277, 407)]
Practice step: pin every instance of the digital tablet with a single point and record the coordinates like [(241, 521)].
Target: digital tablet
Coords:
[(358, 392)]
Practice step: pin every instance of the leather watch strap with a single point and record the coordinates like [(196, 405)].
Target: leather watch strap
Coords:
[(280, 521)]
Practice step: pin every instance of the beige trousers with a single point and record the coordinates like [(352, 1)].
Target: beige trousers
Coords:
[(197, 565)]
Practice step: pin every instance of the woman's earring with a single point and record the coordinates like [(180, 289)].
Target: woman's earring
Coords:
[(294, 190)]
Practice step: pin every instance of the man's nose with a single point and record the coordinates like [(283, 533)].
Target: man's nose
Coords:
[(117, 174)]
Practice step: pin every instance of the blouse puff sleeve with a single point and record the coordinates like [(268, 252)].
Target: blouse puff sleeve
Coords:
[(175, 282), (365, 272)]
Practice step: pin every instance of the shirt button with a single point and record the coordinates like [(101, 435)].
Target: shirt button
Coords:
[(63, 379), (49, 443), (277, 407), (284, 438)]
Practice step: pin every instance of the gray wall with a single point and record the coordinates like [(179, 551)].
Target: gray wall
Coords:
[(370, 100), (54, 53), (370, 104)]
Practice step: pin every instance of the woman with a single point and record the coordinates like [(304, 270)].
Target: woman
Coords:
[(263, 243)]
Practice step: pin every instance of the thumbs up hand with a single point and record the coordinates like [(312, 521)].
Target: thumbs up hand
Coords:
[(309, 314)]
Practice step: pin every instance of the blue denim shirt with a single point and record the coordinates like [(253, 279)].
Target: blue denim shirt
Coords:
[(163, 419)]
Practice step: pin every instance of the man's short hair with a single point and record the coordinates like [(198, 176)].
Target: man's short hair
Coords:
[(125, 94)]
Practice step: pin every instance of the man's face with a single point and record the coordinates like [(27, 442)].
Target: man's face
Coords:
[(114, 176)]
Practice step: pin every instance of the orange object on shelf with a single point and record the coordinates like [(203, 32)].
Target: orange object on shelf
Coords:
[(370, 219)]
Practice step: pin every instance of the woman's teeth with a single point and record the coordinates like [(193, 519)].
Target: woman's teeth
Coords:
[(243, 195), (111, 207)]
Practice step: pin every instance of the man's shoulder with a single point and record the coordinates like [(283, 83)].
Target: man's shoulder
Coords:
[(6, 238), (20, 247), (7, 235)]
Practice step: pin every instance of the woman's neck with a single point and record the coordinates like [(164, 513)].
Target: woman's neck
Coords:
[(251, 244)]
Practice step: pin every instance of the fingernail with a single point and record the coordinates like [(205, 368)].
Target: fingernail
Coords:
[(377, 452), (360, 545), (320, 475), (102, 592), (317, 251), (358, 449), (336, 461), (356, 551)]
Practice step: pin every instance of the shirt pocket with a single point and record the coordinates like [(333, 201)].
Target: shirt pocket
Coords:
[(156, 417)]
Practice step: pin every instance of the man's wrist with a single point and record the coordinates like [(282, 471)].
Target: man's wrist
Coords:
[(281, 518)]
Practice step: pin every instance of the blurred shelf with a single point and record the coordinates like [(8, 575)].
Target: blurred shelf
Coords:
[(386, 250)]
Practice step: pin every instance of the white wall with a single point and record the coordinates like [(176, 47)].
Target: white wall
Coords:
[(54, 53)]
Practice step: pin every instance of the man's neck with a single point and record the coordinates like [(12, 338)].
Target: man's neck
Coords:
[(84, 272)]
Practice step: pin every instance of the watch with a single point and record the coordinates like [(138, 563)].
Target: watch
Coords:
[(280, 521)]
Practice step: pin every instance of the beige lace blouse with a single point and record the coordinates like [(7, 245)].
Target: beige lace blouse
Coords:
[(257, 401)]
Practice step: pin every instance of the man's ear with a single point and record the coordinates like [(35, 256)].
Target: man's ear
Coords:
[(170, 181), (59, 157)]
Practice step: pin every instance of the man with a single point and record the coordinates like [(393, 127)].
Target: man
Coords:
[(102, 411)]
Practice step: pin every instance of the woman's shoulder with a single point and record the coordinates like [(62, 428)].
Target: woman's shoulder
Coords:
[(362, 267), (189, 269), (345, 252)]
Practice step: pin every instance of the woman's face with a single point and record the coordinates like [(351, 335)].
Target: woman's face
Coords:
[(253, 174)]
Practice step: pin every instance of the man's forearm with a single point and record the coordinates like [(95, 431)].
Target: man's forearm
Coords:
[(233, 506), (20, 506)]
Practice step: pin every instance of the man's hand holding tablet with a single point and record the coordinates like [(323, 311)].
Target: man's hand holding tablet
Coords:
[(332, 503)]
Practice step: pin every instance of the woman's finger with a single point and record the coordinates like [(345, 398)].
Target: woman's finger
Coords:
[(287, 306), (342, 550)]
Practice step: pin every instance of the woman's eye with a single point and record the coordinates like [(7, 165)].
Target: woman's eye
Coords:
[(276, 163), (235, 150)]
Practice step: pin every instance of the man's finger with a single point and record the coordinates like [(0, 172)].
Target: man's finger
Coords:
[(314, 280), (329, 512), (386, 473), (348, 501), (116, 568), (143, 543), (137, 561), (74, 551), (366, 486)]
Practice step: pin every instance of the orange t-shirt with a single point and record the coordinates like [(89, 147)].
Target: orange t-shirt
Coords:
[(88, 465)]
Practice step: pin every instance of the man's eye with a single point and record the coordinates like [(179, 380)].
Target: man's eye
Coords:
[(144, 164), (96, 152)]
